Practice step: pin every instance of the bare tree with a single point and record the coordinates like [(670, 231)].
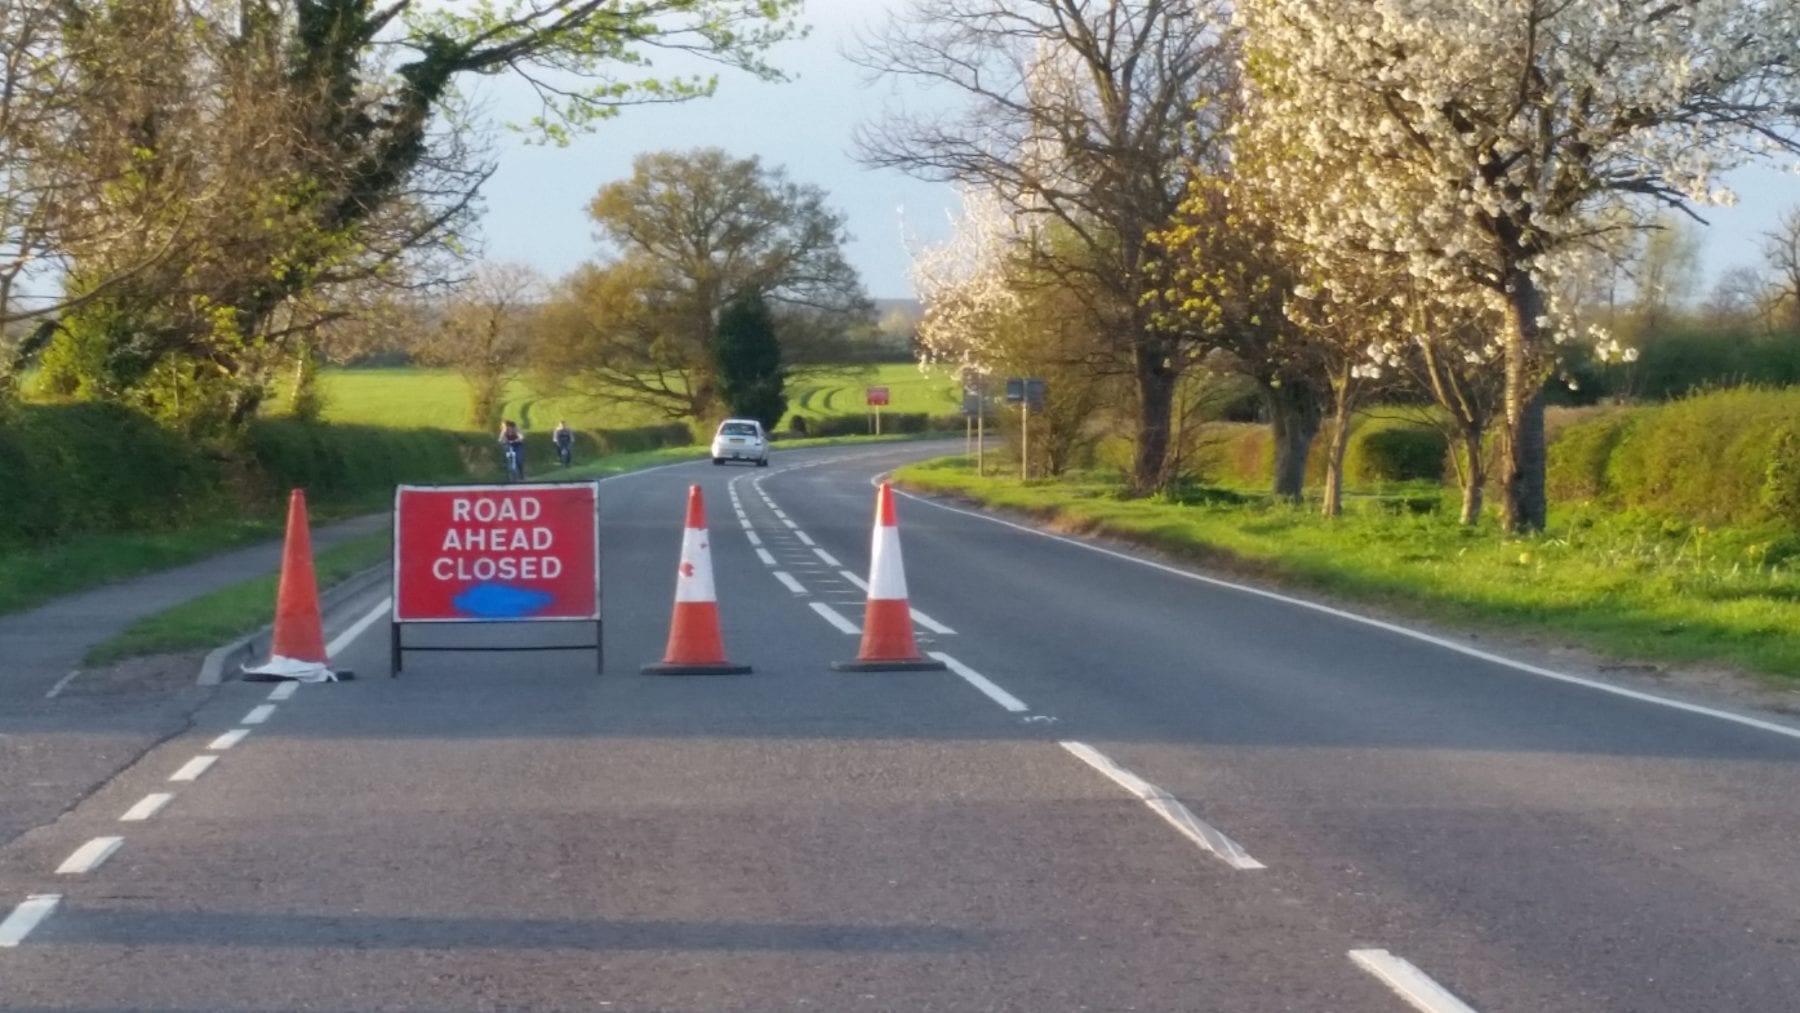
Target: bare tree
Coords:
[(485, 333), (1078, 114), (1782, 248)]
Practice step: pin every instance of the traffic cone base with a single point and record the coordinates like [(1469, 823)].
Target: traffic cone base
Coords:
[(887, 636), (695, 645)]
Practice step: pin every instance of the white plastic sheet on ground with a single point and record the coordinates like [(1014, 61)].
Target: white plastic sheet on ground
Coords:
[(292, 668)]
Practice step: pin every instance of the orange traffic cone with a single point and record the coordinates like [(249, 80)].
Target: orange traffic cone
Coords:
[(297, 649), (695, 647), (887, 635)]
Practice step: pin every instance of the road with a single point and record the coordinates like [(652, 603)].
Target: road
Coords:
[(1135, 789)]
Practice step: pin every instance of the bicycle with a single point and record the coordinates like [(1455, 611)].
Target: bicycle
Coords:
[(515, 463), (563, 453)]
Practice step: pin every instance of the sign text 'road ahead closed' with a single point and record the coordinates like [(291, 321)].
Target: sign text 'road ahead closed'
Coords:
[(486, 553)]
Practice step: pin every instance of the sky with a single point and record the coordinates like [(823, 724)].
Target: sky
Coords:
[(534, 201)]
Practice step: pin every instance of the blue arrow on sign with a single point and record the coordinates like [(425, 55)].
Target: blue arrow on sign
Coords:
[(501, 601)]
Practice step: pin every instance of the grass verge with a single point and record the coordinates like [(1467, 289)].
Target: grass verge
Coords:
[(231, 612), (1631, 586)]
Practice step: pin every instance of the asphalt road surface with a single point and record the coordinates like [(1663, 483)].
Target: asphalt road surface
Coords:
[(1134, 789)]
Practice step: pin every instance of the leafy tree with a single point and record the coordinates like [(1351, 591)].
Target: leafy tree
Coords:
[(1488, 142), (747, 356), (285, 147), (689, 233), (1078, 118)]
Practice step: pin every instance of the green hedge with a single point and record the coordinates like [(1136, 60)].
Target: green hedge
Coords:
[(73, 468), (631, 441), (1715, 458), (862, 425), (1389, 450), (340, 461)]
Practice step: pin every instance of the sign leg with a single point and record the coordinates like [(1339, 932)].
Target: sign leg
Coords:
[(393, 650)]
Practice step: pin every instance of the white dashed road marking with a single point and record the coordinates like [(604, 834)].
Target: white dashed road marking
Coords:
[(1409, 983), (89, 856), (192, 769), (283, 691), (258, 714), (931, 624), (229, 739), (792, 584), (766, 557), (26, 916), (835, 618), (1167, 806), (146, 807), (804, 539), (826, 556)]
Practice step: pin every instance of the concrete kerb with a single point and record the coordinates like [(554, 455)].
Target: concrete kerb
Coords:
[(212, 670)]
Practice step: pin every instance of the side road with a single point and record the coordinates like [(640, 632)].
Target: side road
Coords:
[(55, 749)]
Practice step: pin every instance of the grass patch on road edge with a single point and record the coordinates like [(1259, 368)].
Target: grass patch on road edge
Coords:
[(1630, 586), (230, 612)]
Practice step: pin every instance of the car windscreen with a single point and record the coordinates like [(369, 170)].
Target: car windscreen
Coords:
[(738, 429)]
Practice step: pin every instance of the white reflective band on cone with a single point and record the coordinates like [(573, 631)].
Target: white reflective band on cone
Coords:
[(290, 668), (887, 575), (694, 581)]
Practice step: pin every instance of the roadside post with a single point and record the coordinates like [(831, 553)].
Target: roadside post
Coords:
[(519, 553), (877, 396), (974, 409), (1028, 393)]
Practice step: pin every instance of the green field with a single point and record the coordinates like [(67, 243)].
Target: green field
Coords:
[(438, 398)]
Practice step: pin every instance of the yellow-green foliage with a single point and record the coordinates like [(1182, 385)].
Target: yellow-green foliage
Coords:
[(1581, 450), (1709, 459)]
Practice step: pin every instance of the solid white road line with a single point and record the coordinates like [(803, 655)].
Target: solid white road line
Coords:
[(861, 585), (258, 714), (346, 638), (826, 556), (764, 555), (835, 618), (981, 682), (1168, 807), (931, 624), (89, 856), (26, 916), (192, 769), (1409, 983), (146, 807), (61, 683), (1747, 721), (283, 691), (229, 739), (804, 539), (792, 584)]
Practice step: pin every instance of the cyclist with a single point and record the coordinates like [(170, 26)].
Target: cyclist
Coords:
[(512, 444), (565, 443)]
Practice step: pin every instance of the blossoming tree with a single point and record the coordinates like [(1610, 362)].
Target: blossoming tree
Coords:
[(1487, 143)]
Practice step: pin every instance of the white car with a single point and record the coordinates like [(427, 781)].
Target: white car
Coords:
[(741, 440)]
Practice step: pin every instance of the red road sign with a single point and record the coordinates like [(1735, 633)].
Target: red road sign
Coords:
[(878, 395), (497, 553)]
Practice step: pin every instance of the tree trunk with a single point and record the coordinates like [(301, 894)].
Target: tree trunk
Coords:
[(1523, 507), (1293, 422), (1474, 474), (1156, 401), (1344, 397)]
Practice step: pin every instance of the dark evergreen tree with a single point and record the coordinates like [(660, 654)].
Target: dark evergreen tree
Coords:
[(747, 357)]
